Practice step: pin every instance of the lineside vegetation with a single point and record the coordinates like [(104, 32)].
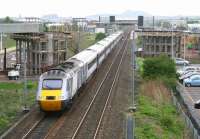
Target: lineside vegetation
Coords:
[(156, 116), (12, 101)]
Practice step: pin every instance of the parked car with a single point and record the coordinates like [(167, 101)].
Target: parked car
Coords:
[(187, 75), (197, 104), (192, 81), (14, 74), (180, 61), (180, 72)]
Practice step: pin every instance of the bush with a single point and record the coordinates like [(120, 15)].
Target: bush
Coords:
[(100, 36), (139, 62), (161, 67), (139, 41)]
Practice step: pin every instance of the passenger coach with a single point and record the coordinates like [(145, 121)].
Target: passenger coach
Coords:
[(59, 85)]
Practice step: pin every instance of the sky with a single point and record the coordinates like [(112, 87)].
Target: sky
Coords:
[(81, 8)]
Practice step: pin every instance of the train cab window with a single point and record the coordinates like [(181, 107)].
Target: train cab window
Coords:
[(52, 84)]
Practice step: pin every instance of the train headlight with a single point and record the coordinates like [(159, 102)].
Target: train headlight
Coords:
[(61, 97), (39, 97)]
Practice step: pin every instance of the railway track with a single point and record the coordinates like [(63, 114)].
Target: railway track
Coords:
[(41, 127), (93, 123), (56, 130), (47, 127)]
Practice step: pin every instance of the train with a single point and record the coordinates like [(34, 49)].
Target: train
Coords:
[(58, 86)]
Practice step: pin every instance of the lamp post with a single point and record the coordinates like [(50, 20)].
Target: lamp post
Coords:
[(184, 52), (184, 47), (172, 30), (184, 57), (1, 46), (172, 42)]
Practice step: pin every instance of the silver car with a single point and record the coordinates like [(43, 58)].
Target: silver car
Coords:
[(180, 61)]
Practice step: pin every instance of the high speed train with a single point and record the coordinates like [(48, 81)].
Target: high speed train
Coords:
[(59, 85)]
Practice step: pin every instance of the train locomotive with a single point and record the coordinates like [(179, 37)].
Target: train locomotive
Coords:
[(59, 85)]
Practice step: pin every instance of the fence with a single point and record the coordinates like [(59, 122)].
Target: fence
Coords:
[(189, 124)]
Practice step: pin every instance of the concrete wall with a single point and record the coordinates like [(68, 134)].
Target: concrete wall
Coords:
[(21, 28)]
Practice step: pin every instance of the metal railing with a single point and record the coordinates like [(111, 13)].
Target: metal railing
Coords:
[(193, 131)]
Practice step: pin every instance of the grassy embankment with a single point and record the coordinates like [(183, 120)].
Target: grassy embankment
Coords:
[(12, 101), (8, 42), (156, 116), (87, 40)]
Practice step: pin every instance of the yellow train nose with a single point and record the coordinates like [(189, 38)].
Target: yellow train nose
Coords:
[(50, 100), (50, 105)]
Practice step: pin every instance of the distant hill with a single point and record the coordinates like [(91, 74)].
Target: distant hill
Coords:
[(129, 14)]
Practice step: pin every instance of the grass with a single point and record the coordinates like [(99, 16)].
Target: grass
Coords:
[(11, 101), (8, 42), (157, 117), (86, 41)]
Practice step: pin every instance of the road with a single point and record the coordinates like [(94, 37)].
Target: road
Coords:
[(189, 95)]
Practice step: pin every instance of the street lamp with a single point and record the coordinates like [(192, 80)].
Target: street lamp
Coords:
[(172, 30), (1, 46), (184, 54), (172, 43), (184, 43)]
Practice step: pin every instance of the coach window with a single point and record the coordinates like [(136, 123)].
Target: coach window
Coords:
[(92, 63), (101, 53)]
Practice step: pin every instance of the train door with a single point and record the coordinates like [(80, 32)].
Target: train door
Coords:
[(69, 87), (98, 60), (86, 71), (82, 75), (79, 78)]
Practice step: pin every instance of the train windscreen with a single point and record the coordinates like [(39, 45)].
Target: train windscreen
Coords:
[(52, 84)]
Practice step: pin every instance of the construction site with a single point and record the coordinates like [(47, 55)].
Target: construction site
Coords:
[(40, 45), (171, 43)]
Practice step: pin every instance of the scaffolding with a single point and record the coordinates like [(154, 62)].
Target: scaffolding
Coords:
[(42, 50)]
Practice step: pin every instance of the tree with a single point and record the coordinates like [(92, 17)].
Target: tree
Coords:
[(159, 66), (166, 25), (139, 41), (8, 20), (162, 68), (100, 36), (182, 27)]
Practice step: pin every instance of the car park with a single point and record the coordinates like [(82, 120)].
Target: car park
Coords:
[(192, 81), (188, 74), (183, 71)]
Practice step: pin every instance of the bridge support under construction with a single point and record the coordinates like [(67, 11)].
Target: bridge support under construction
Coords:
[(40, 50)]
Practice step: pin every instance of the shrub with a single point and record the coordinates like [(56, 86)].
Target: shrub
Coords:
[(161, 67), (100, 36), (156, 117)]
